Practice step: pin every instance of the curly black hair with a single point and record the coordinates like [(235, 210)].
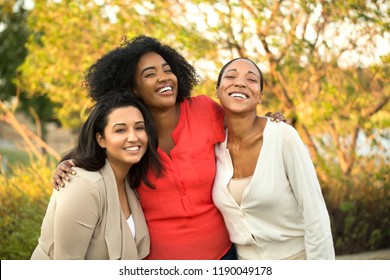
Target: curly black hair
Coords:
[(116, 69)]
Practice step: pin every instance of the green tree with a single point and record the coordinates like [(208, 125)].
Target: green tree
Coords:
[(315, 55), (13, 35), (70, 35)]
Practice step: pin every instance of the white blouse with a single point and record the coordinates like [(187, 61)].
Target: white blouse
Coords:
[(131, 224), (237, 187), (282, 211)]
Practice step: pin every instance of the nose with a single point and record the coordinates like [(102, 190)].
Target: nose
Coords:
[(239, 82), (131, 136), (163, 76)]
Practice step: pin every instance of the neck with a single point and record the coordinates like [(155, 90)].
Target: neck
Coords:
[(166, 120), (240, 126), (120, 174)]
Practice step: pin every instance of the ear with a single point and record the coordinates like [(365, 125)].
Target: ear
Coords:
[(100, 140), (134, 92), (261, 97), (217, 93)]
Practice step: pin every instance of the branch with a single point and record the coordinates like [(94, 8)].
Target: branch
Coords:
[(284, 85), (262, 33), (340, 152), (37, 121), (314, 152), (375, 108), (290, 37), (233, 43), (351, 160), (26, 134)]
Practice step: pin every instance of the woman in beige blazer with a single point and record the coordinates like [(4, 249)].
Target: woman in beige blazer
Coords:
[(98, 215)]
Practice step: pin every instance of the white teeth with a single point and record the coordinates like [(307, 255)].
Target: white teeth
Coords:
[(134, 148), (164, 89), (239, 95)]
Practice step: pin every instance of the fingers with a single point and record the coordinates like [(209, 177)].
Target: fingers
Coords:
[(58, 183), (277, 117), (70, 162), (55, 185), (65, 169), (63, 173), (66, 165)]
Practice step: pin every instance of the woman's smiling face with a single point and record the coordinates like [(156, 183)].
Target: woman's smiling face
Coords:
[(240, 86), (125, 139), (155, 83)]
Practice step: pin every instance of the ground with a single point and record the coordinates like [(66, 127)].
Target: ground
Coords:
[(375, 255)]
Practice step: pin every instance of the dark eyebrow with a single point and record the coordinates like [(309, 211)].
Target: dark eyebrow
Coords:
[(147, 68), (118, 124), (234, 69), (154, 68)]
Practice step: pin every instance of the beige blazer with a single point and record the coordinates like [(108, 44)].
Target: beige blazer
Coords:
[(84, 220)]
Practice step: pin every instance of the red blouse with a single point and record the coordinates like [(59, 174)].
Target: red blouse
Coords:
[(182, 218)]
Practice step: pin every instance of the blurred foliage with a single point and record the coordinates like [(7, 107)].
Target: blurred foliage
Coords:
[(12, 155), (321, 65), (320, 58), (14, 32), (13, 35), (24, 195), (58, 57), (359, 210)]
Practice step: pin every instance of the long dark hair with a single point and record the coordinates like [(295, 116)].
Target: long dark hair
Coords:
[(116, 69), (90, 156)]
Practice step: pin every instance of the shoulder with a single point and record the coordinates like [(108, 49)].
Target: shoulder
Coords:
[(204, 105), (280, 131), (93, 176), (203, 100), (280, 127), (85, 189), (84, 179)]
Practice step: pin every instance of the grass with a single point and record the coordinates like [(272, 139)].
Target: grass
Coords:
[(11, 156)]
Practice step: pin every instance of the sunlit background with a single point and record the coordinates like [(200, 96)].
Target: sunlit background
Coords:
[(326, 66)]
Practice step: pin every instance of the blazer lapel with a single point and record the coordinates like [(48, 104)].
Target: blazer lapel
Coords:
[(113, 235), (142, 239)]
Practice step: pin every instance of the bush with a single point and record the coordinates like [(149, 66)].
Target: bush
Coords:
[(359, 208), (24, 195)]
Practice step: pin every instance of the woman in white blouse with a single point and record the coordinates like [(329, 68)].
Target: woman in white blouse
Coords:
[(266, 186)]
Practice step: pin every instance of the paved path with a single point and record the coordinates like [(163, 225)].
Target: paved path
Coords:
[(375, 255)]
